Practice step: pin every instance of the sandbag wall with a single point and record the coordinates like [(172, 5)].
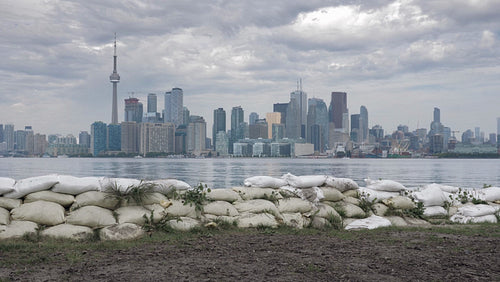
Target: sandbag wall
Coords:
[(71, 207)]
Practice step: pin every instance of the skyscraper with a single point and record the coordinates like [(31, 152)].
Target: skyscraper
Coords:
[(293, 123), (272, 118), (237, 126), (9, 136), (98, 133), (318, 115), (196, 135), (152, 102), (114, 137), (301, 99), (84, 139), (133, 110), (114, 78), (339, 114), (219, 124), (252, 118), (437, 115), (174, 106), (363, 123), (1, 133), (130, 137), (281, 108), (157, 138)]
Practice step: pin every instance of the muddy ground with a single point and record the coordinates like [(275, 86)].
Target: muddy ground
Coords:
[(266, 255)]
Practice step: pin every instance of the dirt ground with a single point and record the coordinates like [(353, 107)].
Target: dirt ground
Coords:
[(266, 255)]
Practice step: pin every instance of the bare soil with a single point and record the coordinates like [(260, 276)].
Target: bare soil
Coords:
[(426, 254)]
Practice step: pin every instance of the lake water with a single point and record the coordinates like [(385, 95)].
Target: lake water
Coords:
[(225, 173)]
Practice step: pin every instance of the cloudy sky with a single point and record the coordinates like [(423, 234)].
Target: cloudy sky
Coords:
[(398, 58)]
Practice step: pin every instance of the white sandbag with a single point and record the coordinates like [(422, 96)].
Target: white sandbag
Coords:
[(256, 206), (320, 222), (399, 202), (351, 210), (40, 212), (371, 222), (91, 216), (470, 219), (220, 208), (64, 200), (257, 220), (121, 184), (294, 205), (304, 181), (33, 184), (375, 195), (341, 184), (68, 231), (149, 198), (9, 204), (76, 185), (435, 211), (250, 193), (444, 188), (352, 200), (397, 221), (351, 193), (184, 224), (384, 185), (132, 214), (490, 194), (4, 216), (431, 196), (379, 209), (165, 186), (325, 211), (221, 218), (17, 229), (452, 198), (158, 212), (476, 210), (124, 231), (227, 195), (264, 182), (178, 209), (6, 185), (295, 220), (95, 198), (331, 194)]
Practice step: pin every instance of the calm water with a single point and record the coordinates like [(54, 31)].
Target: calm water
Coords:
[(224, 173)]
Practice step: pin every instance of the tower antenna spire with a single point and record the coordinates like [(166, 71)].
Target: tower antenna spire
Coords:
[(114, 78)]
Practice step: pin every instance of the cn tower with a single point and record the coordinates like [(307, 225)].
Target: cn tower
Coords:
[(114, 78)]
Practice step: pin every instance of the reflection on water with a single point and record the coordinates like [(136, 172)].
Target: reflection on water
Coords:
[(222, 173)]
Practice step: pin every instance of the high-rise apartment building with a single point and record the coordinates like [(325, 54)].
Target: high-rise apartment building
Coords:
[(130, 137), (152, 103), (133, 110), (293, 123), (252, 118), (339, 113), (272, 118), (196, 135), (437, 115), (114, 138), (157, 138), (98, 133), (174, 106), (237, 126), (281, 108), (219, 124), (318, 115), (9, 136), (30, 140), (84, 139), (40, 144), (363, 123), (258, 130), (300, 98)]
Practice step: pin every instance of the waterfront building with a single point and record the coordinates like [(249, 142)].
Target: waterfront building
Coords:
[(258, 130), (272, 118), (218, 125), (293, 121), (114, 78), (300, 98), (467, 136), (242, 149), (339, 113), (492, 139), (252, 118), (180, 139), (133, 110), (114, 138), (238, 126), (317, 117), (174, 107), (20, 141), (378, 132), (356, 134), (84, 139), (363, 123), (30, 140), (280, 149), (55, 149), (152, 103), (130, 137), (281, 108), (196, 136), (40, 144), (157, 138), (222, 143), (9, 136), (98, 131), (436, 144), (1, 133), (278, 131), (185, 115), (261, 149)]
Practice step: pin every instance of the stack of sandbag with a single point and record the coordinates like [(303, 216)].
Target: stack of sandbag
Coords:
[(433, 199), (371, 222), (379, 190), (475, 214)]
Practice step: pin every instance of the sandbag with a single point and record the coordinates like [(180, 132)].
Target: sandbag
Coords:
[(68, 231), (91, 216), (165, 186), (256, 206), (26, 186), (375, 195), (9, 204), (95, 198), (264, 182), (184, 224), (4, 217), (178, 209), (158, 212), (470, 219), (384, 185), (150, 198), (289, 191), (444, 188), (227, 195), (304, 181), (214, 218), (251, 193), (257, 220), (435, 211), (294, 205), (331, 194), (220, 208), (76, 185), (351, 210), (431, 196), (399, 202), (352, 200), (490, 194), (397, 221), (40, 212), (476, 210), (320, 222), (379, 209), (341, 184), (371, 222), (121, 184), (325, 211), (49, 196), (351, 193), (17, 229), (6, 185), (295, 220), (124, 231), (132, 214)]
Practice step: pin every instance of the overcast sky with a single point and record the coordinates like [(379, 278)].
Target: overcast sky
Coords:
[(398, 58)]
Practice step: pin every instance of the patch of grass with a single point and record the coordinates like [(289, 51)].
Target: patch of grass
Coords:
[(365, 204), (336, 221), (134, 194), (196, 196)]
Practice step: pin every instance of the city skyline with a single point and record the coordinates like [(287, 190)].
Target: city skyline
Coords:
[(55, 76)]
